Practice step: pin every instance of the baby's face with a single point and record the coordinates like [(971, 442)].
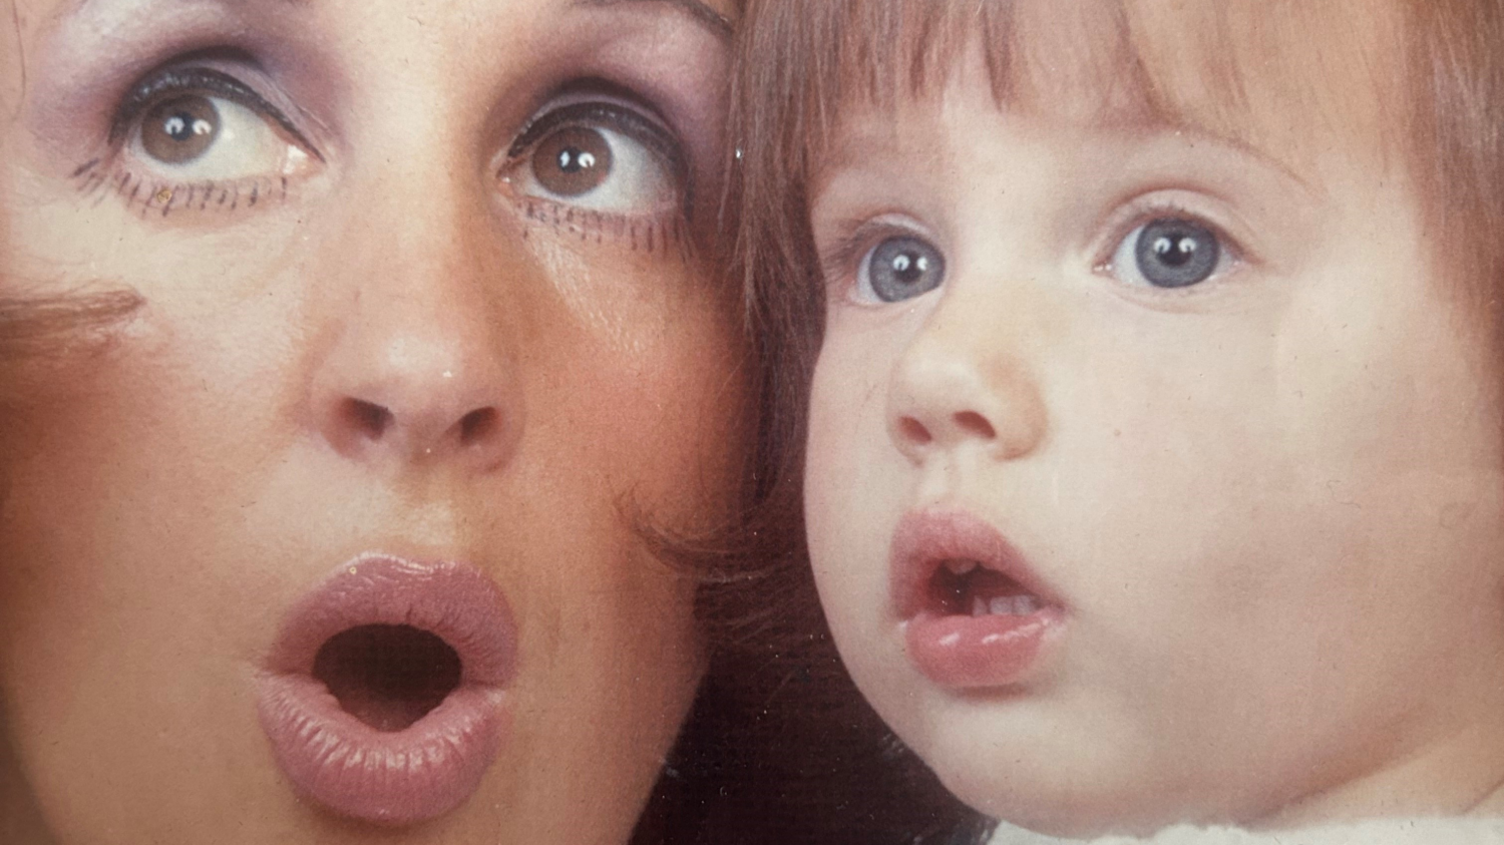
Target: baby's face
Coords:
[(1154, 475)]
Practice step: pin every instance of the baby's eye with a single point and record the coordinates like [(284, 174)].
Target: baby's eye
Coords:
[(201, 125), (1169, 252), (602, 156), (899, 268)]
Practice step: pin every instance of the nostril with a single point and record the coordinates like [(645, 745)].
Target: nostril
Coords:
[(914, 431), (477, 425), (975, 424), (368, 418)]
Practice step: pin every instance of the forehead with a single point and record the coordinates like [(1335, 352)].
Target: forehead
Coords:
[(24, 17), (1296, 81)]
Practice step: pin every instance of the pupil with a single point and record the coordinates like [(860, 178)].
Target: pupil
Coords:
[(904, 267), (574, 160), (177, 127), (1176, 253), (1174, 250)]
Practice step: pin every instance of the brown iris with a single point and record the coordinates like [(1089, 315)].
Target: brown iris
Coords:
[(179, 130), (572, 161)]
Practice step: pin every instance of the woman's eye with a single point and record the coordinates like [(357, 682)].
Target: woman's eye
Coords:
[(899, 268), (1170, 252), (202, 125), (598, 156), (195, 136)]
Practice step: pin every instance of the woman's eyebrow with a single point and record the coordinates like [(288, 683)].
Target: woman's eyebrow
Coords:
[(718, 24)]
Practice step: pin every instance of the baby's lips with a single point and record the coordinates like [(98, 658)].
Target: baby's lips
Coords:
[(992, 634), (927, 539)]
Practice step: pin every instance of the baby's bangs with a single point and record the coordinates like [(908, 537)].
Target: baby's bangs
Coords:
[(1237, 70)]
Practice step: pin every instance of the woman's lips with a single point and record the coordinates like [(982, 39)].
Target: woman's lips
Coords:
[(975, 616), (432, 765)]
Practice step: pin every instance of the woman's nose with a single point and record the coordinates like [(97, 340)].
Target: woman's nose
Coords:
[(416, 396), (962, 381), (420, 368)]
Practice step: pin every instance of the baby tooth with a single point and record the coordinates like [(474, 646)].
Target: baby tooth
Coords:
[(960, 567), (978, 606), (1001, 605), (1025, 605)]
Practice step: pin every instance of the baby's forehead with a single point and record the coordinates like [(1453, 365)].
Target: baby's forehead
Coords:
[(1297, 83)]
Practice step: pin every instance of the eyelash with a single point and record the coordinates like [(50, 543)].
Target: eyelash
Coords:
[(664, 231), (1143, 213), (114, 172), (110, 174), (840, 266)]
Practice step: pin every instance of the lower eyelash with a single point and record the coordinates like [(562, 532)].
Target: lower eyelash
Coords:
[(97, 179), (665, 234)]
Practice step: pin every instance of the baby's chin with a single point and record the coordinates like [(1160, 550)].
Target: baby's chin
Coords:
[(1075, 779)]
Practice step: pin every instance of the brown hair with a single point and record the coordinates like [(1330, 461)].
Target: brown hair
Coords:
[(1438, 104)]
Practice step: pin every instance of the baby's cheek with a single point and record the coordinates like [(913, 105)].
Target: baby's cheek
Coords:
[(854, 493)]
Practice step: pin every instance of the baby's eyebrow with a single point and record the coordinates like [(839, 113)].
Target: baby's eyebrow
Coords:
[(1196, 131), (718, 24)]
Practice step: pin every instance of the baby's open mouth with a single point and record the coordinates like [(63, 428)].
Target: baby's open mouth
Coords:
[(388, 676), (974, 615), (964, 587)]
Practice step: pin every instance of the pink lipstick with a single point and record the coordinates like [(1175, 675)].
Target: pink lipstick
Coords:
[(975, 615), (384, 694)]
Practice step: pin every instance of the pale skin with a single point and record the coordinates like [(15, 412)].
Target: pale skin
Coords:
[(172, 492), (1270, 501)]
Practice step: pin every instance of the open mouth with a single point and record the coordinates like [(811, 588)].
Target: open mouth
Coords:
[(388, 676), (384, 695), (964, 587), (974, 615)]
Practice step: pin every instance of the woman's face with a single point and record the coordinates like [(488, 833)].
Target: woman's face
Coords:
[(427, 334)]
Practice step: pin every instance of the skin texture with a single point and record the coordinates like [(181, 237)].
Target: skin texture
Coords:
[(1268, 503), (171, 490)]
